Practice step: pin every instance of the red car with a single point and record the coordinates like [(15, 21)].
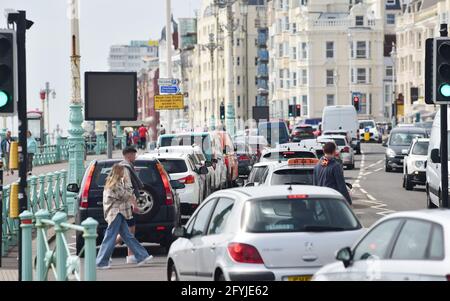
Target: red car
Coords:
[(231, 160)]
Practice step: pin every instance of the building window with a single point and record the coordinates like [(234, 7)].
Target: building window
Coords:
[(304, 76), (330, 100), (304, 106), (391, 2), (256, 61), (294, 53), (286, 23), (281, 78), (330, 77), (361, 75), (286, 49), (359, 21), (239, 101), (390, 19), (280, 50), (389, 71), (294, 27), (238, 61), (361, 50), (238, 80), (294, 79), (304, 50), (238, 42), (329, 49)]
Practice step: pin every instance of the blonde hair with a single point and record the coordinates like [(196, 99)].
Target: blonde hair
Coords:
[(115, 176)]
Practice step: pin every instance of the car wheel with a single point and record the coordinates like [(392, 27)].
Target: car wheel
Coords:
[(172, 273), (403, 181), (387, 168), (430, 204), (220, 277), (408, 184)]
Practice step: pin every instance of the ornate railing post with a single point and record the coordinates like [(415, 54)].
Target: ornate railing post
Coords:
[(58, 201), (61, 254), (90, 238), (33, 194), (5, 233), (58, 149), (41, 228), (49, 179), (42, 192), (26, 219), (69, 206)]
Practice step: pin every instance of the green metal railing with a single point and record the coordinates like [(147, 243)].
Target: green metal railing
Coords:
[(59, 260), (44, 192)]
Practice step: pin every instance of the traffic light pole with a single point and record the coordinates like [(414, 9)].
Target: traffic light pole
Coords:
[(444, 141), (22, 24)]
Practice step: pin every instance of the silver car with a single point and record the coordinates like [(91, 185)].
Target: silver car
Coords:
[(263, 233), (408, 245), (343, 146)]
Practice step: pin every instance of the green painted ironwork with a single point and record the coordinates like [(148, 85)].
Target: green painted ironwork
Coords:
[(45, 192), (64, 265)]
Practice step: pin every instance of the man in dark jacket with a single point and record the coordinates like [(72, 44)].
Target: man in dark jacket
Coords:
[(329, 173), (129, 156)]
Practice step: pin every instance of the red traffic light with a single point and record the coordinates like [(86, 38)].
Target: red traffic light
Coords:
[(298, 106), (356, 99)]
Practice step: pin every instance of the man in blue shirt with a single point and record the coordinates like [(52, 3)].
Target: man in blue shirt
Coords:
[(328, 172)]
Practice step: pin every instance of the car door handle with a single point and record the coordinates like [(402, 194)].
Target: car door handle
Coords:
[(309, 258)]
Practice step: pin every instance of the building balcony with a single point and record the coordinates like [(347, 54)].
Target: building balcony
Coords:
[(263, 56), (338, 24)]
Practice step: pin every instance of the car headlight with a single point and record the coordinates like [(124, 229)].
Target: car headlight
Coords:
[(390, 152), (419, 164)]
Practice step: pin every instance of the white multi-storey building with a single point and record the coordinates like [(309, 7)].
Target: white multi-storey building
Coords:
[(208, 85), (322, 51), (419, 20), (133, 57)]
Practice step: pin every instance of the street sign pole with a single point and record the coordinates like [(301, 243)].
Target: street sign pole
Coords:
[(444, 141), (22, 24)]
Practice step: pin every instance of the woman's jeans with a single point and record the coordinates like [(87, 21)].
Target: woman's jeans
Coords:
[(119, 226)]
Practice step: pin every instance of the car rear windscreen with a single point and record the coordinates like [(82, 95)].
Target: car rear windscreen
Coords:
[(292, 176), (146, 171), (283, 156), (298, 215), (174, 165), (339, 141), (420, 148)]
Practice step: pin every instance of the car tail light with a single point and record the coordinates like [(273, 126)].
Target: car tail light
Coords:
[(297, 196), (160, 228), (87, 185), (243, 158), (244, 253), (166, 182), (187, 180), (345, 150), (448, 277)]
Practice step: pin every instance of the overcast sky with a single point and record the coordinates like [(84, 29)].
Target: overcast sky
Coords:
[(102, 24)]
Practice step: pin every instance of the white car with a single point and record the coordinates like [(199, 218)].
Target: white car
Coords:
[(344, 148), (258, 173), (293, 172), (409, 245), (180, 167), (371, 127), (414, 172), (283, 152), (208, 180), (263, 233)]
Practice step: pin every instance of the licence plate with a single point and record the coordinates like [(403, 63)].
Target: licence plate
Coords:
[(300, 278)]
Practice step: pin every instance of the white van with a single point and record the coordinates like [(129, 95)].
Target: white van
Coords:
[(342, 118), (433, 170)]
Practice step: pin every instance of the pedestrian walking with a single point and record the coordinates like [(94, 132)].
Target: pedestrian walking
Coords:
[(135, 138), (31, 150), (329, 173), (129, 157), (6, 147), (118, 198), (143, 132)]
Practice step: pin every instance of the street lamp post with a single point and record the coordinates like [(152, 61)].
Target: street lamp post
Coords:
[(46, 108), (76, 140), (212, 46), (394, 106)]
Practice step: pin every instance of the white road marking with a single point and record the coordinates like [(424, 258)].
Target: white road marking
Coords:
[(371, 197), (378, 169), (363, 191)]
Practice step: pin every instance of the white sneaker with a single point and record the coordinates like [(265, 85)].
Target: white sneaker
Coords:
[(105, 267), (146, 260), (131, 259)]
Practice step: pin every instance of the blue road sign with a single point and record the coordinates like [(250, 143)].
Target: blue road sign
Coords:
[(169, 89)]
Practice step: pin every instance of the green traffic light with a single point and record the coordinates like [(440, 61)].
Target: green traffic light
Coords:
[(445, 90), (3, 98)]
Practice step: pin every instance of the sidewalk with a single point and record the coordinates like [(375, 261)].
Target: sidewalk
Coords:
[(9, 269)]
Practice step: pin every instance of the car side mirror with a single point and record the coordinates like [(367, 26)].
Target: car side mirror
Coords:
[(435, 156), (252, 184), (179, 232), (73, 188), (203, 170), (177, 185), (404, 151), (208, 163), (240, 182), (350, 186), (345, 255)]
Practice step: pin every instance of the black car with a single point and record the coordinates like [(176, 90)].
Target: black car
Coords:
[(302, 132), (398, 144), (159, 203), (246, 158)]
